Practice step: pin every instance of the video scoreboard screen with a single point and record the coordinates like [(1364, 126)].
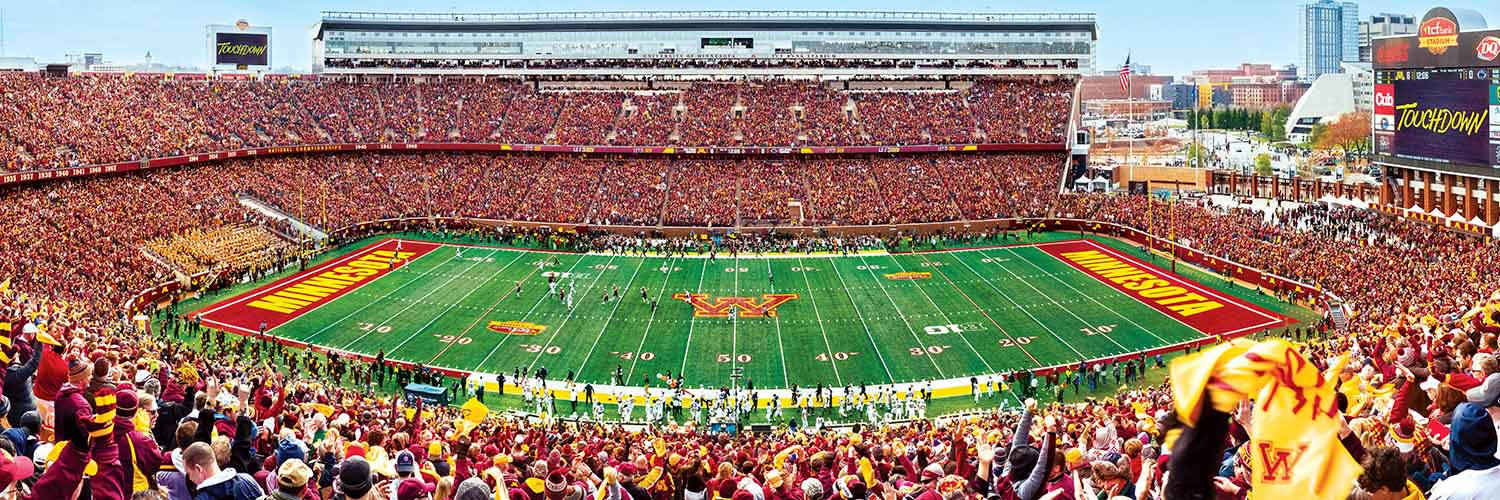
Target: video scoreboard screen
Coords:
[(239, 46), (1448, 115), (1437, 92)]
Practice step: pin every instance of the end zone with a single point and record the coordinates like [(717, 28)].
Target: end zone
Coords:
[(1206, 310), (283, 300)]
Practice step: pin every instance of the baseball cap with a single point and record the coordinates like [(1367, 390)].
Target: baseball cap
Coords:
[(1486, 393), (406, 463), (14, 469), (293, 473), (413, 489), (354, 477)]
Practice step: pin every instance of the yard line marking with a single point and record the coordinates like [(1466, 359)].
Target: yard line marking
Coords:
[(372, 302), (488, 310), (687, 346), (771, 278), (821, 328), (946, 319), (455, 303), (408, 306), (618, 301), (734, 323), (526, 316), (1022, 309), (637, 356), (1096, 301), (873, 345), (897, 308), (1049, 298), (383, 296)]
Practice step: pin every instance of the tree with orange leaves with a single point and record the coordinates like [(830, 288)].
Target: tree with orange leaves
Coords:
[(1351, 132)]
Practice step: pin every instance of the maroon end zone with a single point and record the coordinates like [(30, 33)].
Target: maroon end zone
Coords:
[(285, 299), (1204, 309)]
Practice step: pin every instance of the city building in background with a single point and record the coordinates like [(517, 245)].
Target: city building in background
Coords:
[(1245, 73), (1183, 96), (1261, 95), (1108, 86), (84, 61), (1383, 24), (1328, 34)]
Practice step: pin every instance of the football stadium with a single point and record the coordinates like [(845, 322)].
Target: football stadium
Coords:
[(733, 254)]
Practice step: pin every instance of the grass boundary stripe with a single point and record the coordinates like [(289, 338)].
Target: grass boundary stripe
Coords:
[(487, 312), (1053, 300), (946, 319), (980, 309), (636, 356), (450, 307), (822, 329), (912, 331), (873, 344)]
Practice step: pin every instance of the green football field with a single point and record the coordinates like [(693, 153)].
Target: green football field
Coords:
[(797, 320)]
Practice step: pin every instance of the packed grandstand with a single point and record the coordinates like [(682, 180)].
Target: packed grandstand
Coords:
[(114, 392)]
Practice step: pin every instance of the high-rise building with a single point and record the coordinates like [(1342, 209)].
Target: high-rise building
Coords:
[(1383, 24), (1329, 35)]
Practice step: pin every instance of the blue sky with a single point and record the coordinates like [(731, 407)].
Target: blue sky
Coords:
[(1172, 36)]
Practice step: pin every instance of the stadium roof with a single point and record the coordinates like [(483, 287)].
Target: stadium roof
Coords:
[(708, 19)]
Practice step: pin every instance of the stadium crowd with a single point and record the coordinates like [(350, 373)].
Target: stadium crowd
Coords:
[(98, 407), (107, 118)]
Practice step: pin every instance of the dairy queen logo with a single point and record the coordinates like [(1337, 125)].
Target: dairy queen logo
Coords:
[(1489, 48)]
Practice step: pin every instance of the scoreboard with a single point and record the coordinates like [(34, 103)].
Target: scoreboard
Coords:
[(1437, 94), (1445, 115)]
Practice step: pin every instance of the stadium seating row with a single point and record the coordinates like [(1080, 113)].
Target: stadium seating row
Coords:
[(1420, 297), (87, 120)]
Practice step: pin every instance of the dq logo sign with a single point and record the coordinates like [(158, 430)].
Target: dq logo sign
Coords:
[(748, 307), (1437, 34), (516, 327), (908, 276), (1488, 49)]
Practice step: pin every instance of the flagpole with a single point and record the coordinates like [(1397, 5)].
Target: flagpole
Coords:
[(1130, 116)]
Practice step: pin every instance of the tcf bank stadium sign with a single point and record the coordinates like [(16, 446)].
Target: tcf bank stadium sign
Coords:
[(1439, 43)]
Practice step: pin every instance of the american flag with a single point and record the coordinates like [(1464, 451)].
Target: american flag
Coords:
[(1125, 75)]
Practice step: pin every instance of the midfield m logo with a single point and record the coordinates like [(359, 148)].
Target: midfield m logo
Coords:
[(706, 307)]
